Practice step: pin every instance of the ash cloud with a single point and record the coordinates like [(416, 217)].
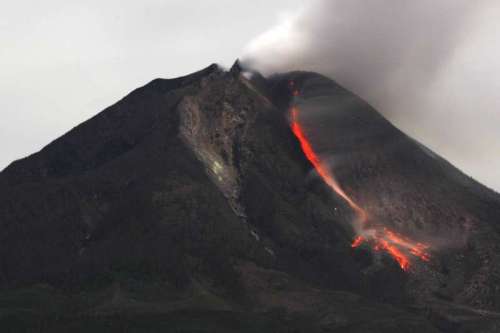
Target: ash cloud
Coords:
[(430, 67)]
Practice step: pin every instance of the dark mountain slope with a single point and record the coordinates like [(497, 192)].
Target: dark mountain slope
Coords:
[(189, 205), (406, 187)]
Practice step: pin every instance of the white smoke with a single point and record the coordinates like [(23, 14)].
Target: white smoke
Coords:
[(431, 67)]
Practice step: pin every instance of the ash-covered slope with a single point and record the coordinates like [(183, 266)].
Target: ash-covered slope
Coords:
[(405, 187), (189, 205)]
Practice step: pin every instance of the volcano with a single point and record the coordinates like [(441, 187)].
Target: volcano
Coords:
[(226, 201)]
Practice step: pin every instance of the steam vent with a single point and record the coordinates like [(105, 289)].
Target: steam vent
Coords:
[(224, 201)]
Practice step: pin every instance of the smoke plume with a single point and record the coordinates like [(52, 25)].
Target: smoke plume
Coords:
[(430, 67)]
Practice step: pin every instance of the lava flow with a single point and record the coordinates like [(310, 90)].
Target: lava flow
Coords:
[(379, 237)]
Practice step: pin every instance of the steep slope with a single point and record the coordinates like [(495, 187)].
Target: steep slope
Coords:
[(190, 204), (404, 189), (401, 184)]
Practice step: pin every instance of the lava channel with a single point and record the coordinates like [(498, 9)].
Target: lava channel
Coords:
[(380, 238)]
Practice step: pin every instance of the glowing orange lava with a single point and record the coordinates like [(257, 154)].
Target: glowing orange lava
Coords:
[(315, 161), (379, 237), (357, 241)]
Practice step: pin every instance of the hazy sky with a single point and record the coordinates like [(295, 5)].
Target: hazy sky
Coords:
[(432, 67), (63, 61)]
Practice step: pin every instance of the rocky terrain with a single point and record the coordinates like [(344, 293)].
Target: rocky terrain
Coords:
[(189, 206)]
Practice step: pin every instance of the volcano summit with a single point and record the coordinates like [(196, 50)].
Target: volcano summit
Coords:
[(225, 201)]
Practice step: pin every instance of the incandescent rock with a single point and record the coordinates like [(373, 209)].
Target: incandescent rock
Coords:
[(189, 205)]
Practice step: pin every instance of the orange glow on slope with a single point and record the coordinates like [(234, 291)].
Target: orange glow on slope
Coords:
[(402, 260), (380, 238), (315, 161), (357, 241), (417, 249)]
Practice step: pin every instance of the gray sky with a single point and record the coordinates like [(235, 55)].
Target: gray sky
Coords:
[(432, 67), (62, 61)]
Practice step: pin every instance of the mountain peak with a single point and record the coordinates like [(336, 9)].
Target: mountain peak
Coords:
[(191, 199), (236, 68)]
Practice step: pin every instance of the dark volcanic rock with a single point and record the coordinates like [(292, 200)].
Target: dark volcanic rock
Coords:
[(188, 205), (410, 189)]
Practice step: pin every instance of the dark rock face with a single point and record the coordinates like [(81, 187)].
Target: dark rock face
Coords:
[(410, 189), (189, 205)]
